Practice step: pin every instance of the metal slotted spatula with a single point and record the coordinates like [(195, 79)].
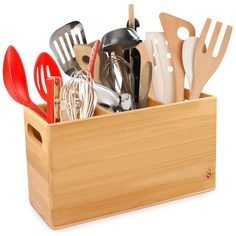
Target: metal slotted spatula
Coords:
[(62, 43), (205, 64)]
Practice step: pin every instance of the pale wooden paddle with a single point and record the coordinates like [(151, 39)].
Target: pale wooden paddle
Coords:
[(171, 24)]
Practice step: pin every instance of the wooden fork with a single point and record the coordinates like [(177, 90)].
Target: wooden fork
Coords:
[(205, 64)]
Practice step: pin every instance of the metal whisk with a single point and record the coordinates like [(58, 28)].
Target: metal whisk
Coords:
[(78, 98)]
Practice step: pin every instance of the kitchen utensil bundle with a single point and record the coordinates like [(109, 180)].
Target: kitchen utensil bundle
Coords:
[(69, 44), (16, 84), (134, 85), (119, 73), (173, 57), (78, 97), (115, 42)]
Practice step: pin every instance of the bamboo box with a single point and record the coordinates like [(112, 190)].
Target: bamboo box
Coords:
[(116, 162)]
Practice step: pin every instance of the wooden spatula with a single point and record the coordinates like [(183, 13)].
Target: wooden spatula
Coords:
[(171, 24), (205, 64)]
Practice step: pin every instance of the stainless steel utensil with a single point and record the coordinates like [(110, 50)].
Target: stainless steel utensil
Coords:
[(136, 61), (78, 97), (107, 98), (112, 70), (120, 39), (115, 42), (62, 43)]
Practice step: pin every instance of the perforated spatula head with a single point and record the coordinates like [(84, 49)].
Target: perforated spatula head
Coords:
[(44, 68), (62, 43)]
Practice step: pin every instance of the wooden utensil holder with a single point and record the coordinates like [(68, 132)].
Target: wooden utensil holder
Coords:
[(113, 163)]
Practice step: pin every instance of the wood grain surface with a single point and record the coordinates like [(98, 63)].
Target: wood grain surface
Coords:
[(112, 163)]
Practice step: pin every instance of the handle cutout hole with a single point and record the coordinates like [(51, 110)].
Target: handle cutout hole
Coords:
[(170, 69), (34, 134), (183, 33), (85, 59), (168, 55)]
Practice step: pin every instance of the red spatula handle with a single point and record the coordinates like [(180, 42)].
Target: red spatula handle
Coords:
[(93, 56), (50, 98), (38, 110)]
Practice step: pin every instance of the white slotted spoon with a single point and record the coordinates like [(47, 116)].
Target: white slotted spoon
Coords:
[(163, 76)]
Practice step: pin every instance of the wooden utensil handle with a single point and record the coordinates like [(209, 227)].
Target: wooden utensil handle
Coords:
[(196, 91), (93, 56), (171, 24), (131, 22), (57, 89)]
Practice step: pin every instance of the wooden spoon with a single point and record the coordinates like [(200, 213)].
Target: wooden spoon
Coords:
[(145, 74)]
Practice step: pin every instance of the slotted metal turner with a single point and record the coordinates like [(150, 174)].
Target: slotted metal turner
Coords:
[(62, 43), (205, 64)]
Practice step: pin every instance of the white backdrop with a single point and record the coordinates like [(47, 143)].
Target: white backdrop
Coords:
[(28, 25)]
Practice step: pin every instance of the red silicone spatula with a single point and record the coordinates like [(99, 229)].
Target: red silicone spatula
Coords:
[(45, 72), (44, 68), (93, 56), (15, 81)]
